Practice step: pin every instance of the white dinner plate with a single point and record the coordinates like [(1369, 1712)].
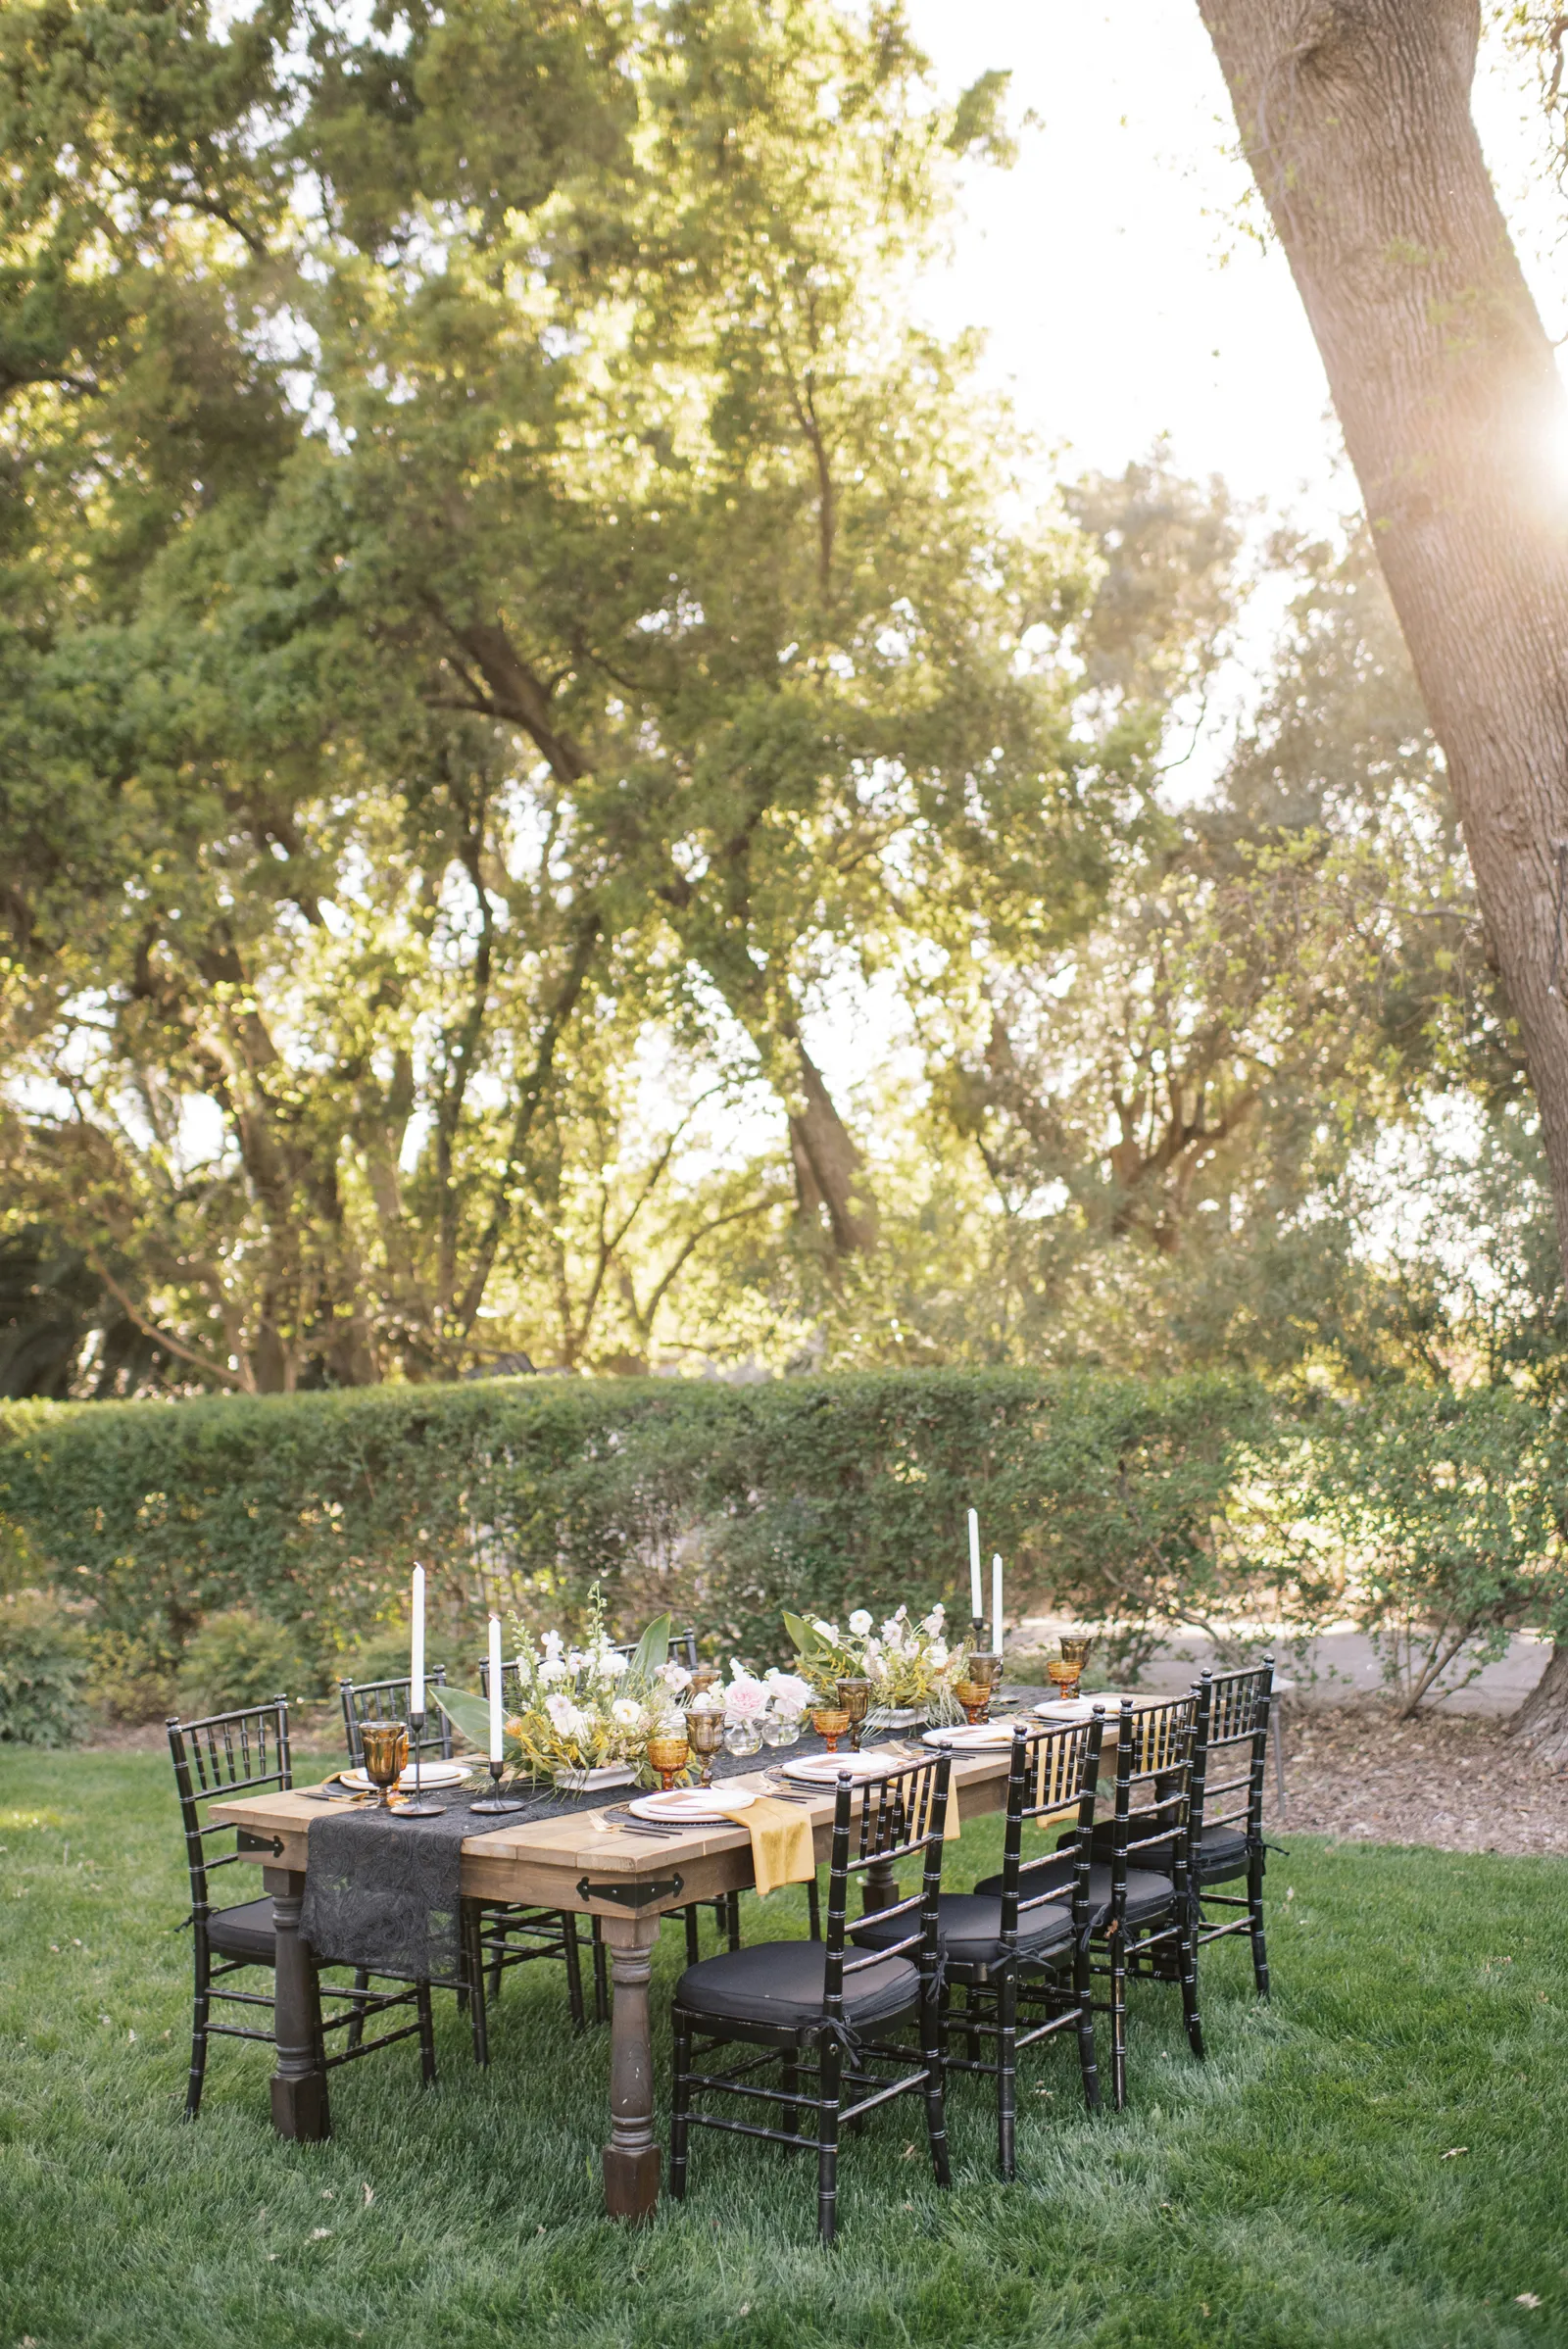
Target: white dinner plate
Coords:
[(972, 1737), (824, 1768), (689, 1806), (431, 1774)]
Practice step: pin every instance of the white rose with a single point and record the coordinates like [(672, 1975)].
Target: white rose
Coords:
[(627, 1712), (860, 1622), (570, 1720), (611, 1665), (790, 1693), (551, 1669), (745, 1697)]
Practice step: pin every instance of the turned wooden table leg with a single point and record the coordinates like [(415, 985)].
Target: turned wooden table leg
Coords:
[(299, 2084), (631, 2157), (879, 1888)]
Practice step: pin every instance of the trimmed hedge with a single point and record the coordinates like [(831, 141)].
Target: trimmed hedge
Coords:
[(725, 1504)]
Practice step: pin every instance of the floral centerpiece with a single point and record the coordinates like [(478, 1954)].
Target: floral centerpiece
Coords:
[(768, 1708), (910, 1665), (582, 1715)]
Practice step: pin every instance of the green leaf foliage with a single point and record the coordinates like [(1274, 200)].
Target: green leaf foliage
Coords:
[(717, 1505), (43, 1659)]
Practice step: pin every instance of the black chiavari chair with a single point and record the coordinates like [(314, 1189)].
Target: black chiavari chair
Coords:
[(1140, 1908), (682, 1649), (1021, 1956), (494, 1935), (1226, 1826), (828, 2011), (215, 1759), (388, 1700)]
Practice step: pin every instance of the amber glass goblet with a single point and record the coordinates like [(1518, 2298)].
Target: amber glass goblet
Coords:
[(975, 1698), (670, 1749), (855, 1698), (1069, 1670), (830, 1722), (385, 1746), (705, 1727)]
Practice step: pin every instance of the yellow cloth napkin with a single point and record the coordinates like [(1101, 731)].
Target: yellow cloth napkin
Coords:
[(782, 1850)]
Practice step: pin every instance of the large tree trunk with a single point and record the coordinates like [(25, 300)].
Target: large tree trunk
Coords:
[(827, 1160), (1541, 1721), (1356, 118)]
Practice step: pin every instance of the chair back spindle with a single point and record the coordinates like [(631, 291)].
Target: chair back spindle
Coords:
[(1231, 1733), (900, 1815), (388, 1700), (215, 1758)]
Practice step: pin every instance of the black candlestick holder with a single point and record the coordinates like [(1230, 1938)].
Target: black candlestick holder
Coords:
[(417, 1807), (496, 1802)]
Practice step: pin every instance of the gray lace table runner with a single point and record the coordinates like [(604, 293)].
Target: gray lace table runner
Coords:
[(383, 1890)]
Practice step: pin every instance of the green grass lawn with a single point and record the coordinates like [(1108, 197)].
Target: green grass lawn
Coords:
[(1292, 2190)]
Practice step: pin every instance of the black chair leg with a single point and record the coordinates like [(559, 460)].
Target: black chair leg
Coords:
[(936, 2111), (600, 1977), (732, 1918), (813, 1910), (1087, 2061), (830, 2055), (201, 2010), (1118, 2022), (1254, 1903), (689, 1919), (680, 2104), (571, 1951), (971, 2037), (356, 2029), (789, 2114), (422, 2000), (1187, 1957), (1007, 2073), (474, 1981)]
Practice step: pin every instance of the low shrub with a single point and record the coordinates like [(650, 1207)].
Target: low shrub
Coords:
[(1446, 1507), (131, 1676), (43, 1662), (239, 1657)]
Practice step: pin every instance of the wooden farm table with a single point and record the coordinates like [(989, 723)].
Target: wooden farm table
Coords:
[(573, 1862)]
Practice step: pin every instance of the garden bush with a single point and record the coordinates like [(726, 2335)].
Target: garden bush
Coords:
[(1444, 1509), (1106, 1496), (239, 1657), (43, 1661)]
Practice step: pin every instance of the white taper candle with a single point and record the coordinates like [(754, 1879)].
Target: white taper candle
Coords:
[(974, 1564), (495, 1689), (416, 1660), (996, 1601)]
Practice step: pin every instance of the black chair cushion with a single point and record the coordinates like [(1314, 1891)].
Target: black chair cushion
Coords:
[(1223, 1854), (971, 1925), (245, 1932), (781, 1982), (1148, 1894)]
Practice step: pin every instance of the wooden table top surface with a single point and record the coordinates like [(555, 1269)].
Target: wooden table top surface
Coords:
[(582, 1838)]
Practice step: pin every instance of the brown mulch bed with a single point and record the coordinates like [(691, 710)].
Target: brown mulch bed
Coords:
[(1450, 1779)]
